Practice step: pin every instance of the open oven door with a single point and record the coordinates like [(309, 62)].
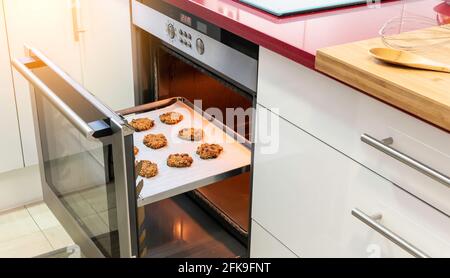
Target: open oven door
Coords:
[(86, 161)]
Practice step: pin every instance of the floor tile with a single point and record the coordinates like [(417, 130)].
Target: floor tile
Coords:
[(79, 205), (58, 237), (97, 198), (43, 216), (27, 246), (95, 225), (111, 223), (15, 224)]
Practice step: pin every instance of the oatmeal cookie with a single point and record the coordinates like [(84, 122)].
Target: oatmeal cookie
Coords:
[(142, 124), (136, 150), (179, 160), (171, 118), (147, 169), (191, 134), (209, 151), (155, 141)]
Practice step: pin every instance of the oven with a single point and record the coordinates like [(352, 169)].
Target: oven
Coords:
[(86, 150), (181, 55)]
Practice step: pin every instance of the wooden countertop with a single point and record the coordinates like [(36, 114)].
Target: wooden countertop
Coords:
[(424, 94)]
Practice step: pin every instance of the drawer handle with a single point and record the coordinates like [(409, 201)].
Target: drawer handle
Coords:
[(372, 223), (411, 162)]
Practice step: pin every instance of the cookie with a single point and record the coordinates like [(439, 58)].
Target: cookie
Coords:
[(136, 150), (147, 169), (191, 134), (209, 151), (142, 124), (155, 141), (179, 160), (171, 118)]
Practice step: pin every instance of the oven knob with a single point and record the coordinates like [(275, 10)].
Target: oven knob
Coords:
[(200, 46), (171, 31)]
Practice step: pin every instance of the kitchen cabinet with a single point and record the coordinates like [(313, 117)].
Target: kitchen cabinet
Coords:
[(339, 115), (305, 192), (88, 39), (10, 146), (264, 245), (46, 25), (107, 51)]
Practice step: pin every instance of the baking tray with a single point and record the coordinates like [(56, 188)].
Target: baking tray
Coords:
[(169, 182)]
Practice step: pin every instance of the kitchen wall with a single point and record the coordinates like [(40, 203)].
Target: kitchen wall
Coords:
[(99, 58)]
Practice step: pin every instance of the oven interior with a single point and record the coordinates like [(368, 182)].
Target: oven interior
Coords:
[(212, 221)]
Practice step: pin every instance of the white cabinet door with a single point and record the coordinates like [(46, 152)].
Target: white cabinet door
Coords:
[(10, 146), (338, 115), (46, 25), (304, 192), (264, 245), (107, 51)]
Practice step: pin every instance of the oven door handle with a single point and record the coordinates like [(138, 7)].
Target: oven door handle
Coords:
[(73, 117)]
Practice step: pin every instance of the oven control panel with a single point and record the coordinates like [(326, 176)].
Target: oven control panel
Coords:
[(185, 38), (225, 60), (180, 36)]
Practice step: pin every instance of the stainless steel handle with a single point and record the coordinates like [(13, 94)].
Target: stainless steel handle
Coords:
[(76, 20), (411, 162), (372, 222), (79, 123)]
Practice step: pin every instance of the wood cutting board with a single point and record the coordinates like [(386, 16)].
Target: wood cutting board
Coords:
[(425, 94)]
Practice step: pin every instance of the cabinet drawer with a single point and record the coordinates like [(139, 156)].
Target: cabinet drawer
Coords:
[(264, 245), (339, 115), (304, 194)]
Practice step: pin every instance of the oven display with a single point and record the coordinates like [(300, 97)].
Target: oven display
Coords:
[(202, 27), (186, 19)]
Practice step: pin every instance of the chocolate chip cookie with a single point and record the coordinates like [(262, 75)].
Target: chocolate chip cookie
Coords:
[(209, 151), (171, 118), (179, 160), (142, 124), (191, 134), (147, 169), (136, 150), (155, 141)]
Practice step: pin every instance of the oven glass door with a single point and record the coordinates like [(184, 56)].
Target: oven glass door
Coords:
[(86, 161)]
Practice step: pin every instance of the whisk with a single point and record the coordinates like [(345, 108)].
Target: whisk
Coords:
[(418, 40)]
